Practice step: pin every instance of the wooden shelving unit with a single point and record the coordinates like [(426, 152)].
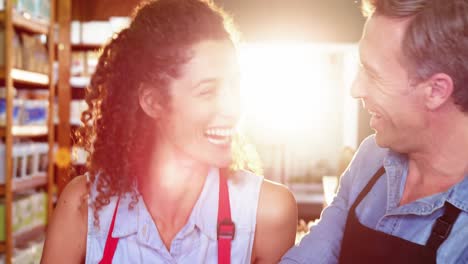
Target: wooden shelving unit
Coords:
[(26, 184), (26, 77), (86, 47), (22, 238), (25, 131), (10, 76), (26, 23)]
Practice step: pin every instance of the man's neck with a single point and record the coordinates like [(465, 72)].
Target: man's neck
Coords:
[(441, 163)]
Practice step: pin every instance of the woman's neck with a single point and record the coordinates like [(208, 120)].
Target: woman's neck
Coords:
[(172, 186)]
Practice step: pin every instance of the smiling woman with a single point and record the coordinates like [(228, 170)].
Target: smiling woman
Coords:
[(163, 182)]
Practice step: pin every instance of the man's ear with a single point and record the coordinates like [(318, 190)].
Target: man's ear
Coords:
[(150, 101), (438, 90)]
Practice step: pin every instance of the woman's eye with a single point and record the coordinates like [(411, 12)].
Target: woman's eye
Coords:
[(208, 91)]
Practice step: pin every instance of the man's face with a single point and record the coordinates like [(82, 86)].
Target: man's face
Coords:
[(383, 85)]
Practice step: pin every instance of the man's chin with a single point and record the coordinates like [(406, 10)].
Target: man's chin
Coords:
[(380, 140)]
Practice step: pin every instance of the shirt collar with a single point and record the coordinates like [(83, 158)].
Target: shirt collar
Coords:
[(204, 215), (396, 166), (205, 212), (126, 221)]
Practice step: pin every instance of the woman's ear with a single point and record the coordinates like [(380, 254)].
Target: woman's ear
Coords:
[(150, 101), (439, 90)]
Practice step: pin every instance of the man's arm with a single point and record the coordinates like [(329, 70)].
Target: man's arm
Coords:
[(323, 243)]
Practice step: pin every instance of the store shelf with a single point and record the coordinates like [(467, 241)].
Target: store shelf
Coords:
[(86, 47), (22, 238), (26, 184), (26, 23), (80, 82), (27, 77), (26, 131)]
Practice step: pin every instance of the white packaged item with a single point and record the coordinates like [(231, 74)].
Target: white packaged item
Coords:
[(2, 163), (75, 32), (77, 107), (17, 108), (19, 164), (17, 219), (119, 23), (39, 207), (26, 211), (96, 32), (30, 168), (35, 112), (42, 158)]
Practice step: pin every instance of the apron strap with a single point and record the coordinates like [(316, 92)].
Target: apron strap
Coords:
[(226, 228), (443, 226), (111, 242), (366, 189)]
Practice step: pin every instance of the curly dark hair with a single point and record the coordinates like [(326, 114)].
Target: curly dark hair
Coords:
[(117, 134)]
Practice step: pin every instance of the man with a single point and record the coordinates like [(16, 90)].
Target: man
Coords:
[(404, 197)]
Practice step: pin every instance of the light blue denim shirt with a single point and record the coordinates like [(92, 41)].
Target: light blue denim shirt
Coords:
[(380, 210), (139, 240)]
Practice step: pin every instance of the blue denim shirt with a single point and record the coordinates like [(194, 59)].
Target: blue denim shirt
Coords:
[(380, 210)]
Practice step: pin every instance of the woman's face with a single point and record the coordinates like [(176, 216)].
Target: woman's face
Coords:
[(204, 106)]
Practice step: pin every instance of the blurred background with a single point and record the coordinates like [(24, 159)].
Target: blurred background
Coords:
[(298, 60)]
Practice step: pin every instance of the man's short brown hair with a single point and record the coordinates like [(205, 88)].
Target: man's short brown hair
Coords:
[(435, 41)]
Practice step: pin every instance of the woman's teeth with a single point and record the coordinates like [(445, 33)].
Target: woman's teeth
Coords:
[(219, 136), (219, 132)]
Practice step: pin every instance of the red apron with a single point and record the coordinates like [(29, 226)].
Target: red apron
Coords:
[(226, 228)]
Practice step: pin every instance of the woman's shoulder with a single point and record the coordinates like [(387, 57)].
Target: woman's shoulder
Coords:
[(276, 203), (69, 220), (276, 222), (75, 195)]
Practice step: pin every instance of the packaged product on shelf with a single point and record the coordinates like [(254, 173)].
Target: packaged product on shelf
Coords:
[(119, 23), (77, 107), (42, 158), (75, 32), (25, 7), (17, 108), (35, 112), (2, 163), (2, 219), (19, 164), (39, 207), (17, 52), (93, 59), (43, 10), (77, 63), (17, 217), (26, 210), (35, 56), (30, 160), (96, 32)]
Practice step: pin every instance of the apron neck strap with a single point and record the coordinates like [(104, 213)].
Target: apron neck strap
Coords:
[(226, 228), (443, 226)]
